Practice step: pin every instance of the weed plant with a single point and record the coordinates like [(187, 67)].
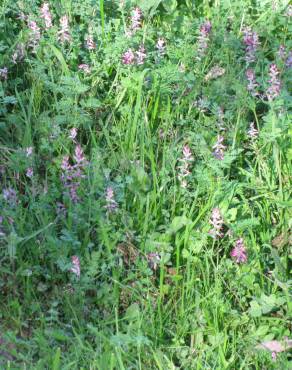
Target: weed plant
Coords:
[(145, 171)]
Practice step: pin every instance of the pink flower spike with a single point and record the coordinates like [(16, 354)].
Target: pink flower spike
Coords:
[(216, 221), (111, 204), (46, 15), (219, 148), (253, 133), (79, 155), (136, 19), (3, 73), (35, 35), (64, 33), (128, 57), (29, 151), (275, 83), (90, 44), (239, 253), (140, 55), (252, 84), (184, 167), (75, 266), (73, 133), (203, 39), (160, 46), (251, 41), (29, 172), (84, 67)]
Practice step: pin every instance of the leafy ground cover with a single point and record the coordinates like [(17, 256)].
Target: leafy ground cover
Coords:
[(145, 184)]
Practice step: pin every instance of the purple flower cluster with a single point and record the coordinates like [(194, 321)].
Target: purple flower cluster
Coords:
[(73, 133), (129, 57), (111, 204), (29, 172), (253, 133), (239, 253), (46, 15), (1, 227), (19, 53), (251, 41), (10, 196), (274, 83), (90, 44), (219, 148), (203, 39), (136, 19), (289, 60), (160, 46), (35, 35), (184, 167), (4, 73), (252, 84), (84, 67), (64, 32), (75, 269), (140, 55), (216, 221), (72, 174)]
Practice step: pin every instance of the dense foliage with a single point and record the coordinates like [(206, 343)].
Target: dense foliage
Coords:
[(146, 180)]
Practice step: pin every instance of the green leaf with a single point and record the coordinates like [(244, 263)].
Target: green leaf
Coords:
[(61, 59), (133, 312), (255, 309), (178, 223), (149, 5), (169, 5)]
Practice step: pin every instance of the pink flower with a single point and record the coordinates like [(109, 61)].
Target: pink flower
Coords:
[(84, 67), (64, 33), (35, 35), (160, 46), (90, 44), (3, 73), (252, 84), (29, 151), (73, 133), (140, 55), (239, 253), (46, 15), (10, 196), (281, 52), (251, 41), (203, 39), (275, 83), (219, 148), (1, 227), (19, 53), (253, 133), (72, 174), (79, 155), (136, 19), (216, 221), (128, 57), (29, 172), (184, 167), (289, 11), (75, 266), (289, 60), (111, 204)]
